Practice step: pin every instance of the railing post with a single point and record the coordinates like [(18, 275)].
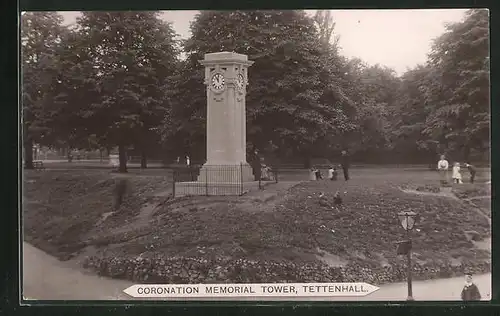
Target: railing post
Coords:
[(241, 178), (173, 184), (206, 181), (260, 178)]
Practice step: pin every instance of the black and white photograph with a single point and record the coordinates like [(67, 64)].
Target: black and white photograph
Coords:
[(265, 155)]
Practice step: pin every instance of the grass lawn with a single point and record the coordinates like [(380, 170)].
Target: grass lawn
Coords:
[(65, 214)]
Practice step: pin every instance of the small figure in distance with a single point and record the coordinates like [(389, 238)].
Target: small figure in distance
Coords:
[(470, 291), (264, 172), (323, 200), (337, 199), (472, 171), (318, 174), (443, 169), (332, 173), (456, 175), (312, 174)]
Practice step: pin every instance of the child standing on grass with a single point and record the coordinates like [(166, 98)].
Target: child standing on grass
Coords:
[(472, 171), (332, 173), (457, 177)]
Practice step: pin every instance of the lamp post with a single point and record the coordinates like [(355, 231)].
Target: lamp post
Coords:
[(407, 220)]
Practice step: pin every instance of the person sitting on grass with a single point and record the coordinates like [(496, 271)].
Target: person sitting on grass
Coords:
[(337, 199), (457, 176), (267, 172), (472, 171), (264, 175)]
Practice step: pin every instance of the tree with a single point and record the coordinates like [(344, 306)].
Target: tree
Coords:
[(124, 59), (284, 104), (73, 90), (408, 141), (41, 34), (326, 26), (336, 84), (372, 91), (460, 63)]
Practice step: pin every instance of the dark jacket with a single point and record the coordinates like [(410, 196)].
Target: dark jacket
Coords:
[(471, 293), (345, 161), (472, 169)]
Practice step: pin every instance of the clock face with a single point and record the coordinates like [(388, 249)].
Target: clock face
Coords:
[(218, 81), (240, 81)]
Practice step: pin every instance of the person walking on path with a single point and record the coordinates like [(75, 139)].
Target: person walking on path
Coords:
[(345, 164), (472, 171), (470, 291), (443, 169)]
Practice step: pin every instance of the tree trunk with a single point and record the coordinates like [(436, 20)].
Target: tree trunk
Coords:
[(108, 151), (69, 155), (307, 161), (466, 153), (122, 156), (144, 160), (100, 154), (28, 154)]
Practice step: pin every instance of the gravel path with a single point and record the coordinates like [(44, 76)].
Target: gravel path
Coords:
[(46, 278)]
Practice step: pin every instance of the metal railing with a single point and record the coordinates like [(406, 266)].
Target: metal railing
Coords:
[(219, 180)]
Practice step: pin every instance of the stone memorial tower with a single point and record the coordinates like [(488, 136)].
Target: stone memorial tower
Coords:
[(226, 78)]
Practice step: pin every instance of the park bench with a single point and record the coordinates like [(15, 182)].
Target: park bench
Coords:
[(38, 165)]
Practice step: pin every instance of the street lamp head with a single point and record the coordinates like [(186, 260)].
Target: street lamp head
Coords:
[(407, 219)]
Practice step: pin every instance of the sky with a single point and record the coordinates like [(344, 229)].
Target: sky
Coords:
[(399, 39)]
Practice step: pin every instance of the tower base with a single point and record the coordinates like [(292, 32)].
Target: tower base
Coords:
[(236, 179), (233, 174), (195, 188)]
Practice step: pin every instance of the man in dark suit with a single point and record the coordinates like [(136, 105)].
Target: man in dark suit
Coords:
[(472, 171), (345, 164), (470, 291)]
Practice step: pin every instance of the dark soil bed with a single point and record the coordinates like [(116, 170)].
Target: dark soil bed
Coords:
[(239, 239)]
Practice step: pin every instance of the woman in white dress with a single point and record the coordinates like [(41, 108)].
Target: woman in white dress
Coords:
[(443, 169)]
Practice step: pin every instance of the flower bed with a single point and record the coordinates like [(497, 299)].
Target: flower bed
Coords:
[(242, 239), (361, 231), (467, 190)]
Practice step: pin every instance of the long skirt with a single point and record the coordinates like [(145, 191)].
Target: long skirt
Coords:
[(443, 174), (312, 175)]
